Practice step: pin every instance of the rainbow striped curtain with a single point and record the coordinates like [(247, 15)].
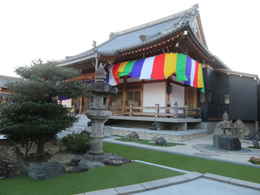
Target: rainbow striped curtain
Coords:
[(160, 67)]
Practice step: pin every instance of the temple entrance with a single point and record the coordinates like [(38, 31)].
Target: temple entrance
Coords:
[(134, 97), (191, 97)]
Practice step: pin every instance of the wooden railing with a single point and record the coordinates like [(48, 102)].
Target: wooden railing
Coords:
[(159, 111)]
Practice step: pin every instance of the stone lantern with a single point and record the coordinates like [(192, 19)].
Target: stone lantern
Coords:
[(97, 112)]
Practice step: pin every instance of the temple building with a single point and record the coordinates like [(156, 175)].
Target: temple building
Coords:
[(165, 72)]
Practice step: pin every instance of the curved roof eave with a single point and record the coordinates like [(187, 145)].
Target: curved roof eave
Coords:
[(131, 37)]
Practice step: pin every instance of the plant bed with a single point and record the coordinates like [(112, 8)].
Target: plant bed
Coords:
[(146, 142)]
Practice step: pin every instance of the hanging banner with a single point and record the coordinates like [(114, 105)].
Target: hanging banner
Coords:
[(160, 67)]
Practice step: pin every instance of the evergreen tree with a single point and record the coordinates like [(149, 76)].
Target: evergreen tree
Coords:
[(33, 116)]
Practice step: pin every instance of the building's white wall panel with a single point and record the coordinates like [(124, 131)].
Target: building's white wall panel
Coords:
[(154, 93)]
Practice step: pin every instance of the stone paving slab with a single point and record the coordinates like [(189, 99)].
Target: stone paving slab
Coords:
[(193, 175), (130, 189), (110, 191), (245, 184), (232, 181), (218, 177), (162, 182)]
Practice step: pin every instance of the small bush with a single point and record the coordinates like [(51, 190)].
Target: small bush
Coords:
[(77, 143), (254, 160)]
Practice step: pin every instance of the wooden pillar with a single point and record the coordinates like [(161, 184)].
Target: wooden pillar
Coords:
[(124, 96), (81, 105), (168, 92), (131, 110), (256, 126), (157, 110)]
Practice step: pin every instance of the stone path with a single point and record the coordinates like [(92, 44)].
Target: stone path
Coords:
[(200, 147), (202, 186)]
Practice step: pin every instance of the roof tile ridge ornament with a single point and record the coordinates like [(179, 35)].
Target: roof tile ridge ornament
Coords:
[(193, 11)]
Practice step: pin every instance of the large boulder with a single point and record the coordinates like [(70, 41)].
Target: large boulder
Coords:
[(226, 142), (132, 136), (45, 170)]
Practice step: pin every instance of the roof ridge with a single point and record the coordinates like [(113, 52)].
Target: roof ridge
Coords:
[(155, 22)]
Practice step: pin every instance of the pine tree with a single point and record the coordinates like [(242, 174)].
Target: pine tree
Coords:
[(33, 116)]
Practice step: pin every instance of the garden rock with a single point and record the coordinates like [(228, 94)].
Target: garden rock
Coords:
[(74, 161), (108, 159), (226, 142), (46, 170), (87, 164), (76, 169), (8, 169), (161, 141), (132, 136)]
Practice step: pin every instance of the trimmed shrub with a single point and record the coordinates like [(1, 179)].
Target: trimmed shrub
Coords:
[(77, 143)]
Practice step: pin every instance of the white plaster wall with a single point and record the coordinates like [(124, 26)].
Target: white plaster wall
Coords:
[(154, 93), (177, 95)]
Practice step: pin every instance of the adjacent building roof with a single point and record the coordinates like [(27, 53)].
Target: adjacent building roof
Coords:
[(6, 79), (241, 74), (143, 34)]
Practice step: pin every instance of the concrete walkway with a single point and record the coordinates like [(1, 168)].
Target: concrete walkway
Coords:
[(202, 186), (202, 147), (190, 183)]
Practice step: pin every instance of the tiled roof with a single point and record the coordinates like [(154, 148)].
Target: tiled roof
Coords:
[(133, 37), (6, 79)]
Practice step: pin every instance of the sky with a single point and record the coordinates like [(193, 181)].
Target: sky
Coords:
[(53, 29)]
